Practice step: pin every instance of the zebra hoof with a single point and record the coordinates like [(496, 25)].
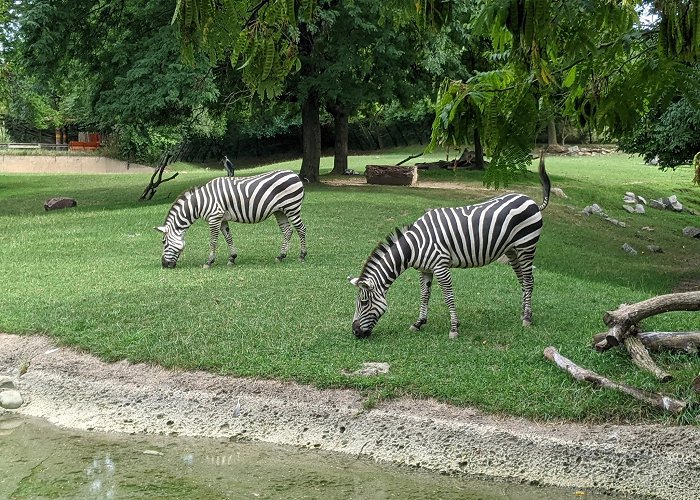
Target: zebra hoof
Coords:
[(280, 258), (206, 266), (454, 334), (527, 322), (414, 328)]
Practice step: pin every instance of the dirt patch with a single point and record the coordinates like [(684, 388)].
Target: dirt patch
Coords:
[(76, 390)]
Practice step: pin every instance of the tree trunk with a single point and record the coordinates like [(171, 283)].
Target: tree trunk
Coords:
[(340, 153), (311, 138), (552, 133), (478, 151)]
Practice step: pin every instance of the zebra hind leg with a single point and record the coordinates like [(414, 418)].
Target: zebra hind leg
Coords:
[(286, 229), (521, 262), (445, 279), (426, 281), (214, 228), (232, 253), (298, 224)]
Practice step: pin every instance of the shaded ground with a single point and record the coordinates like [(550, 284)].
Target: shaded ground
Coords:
[(78, 391)]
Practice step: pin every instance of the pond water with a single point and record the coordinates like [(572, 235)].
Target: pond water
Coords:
[(38, 460)]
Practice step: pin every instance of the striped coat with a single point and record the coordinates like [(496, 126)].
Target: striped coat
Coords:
[(443, 238), (241, 199)]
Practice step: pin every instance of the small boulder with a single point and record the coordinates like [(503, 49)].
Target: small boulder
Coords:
[(654, 249), (629, 249), (58, 203), (559, 192), (657, 204), (6, 383), (370, 369), (629, 208), (593, 209), (672, 203), (615, 222), (691, 232), (11, 399)]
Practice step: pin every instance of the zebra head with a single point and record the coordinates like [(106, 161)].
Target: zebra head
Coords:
[(173, 244), (369, 307)]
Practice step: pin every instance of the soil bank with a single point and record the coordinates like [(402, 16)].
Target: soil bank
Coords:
[(76, 390)]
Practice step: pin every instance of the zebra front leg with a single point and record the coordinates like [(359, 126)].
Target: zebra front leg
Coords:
[(426, 281), (298, 224), (214, 228), (521, 262), (232, 253), (445, 279), (286, 229)]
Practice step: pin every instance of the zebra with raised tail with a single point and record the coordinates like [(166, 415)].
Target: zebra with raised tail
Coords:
[(241, 199), (443, 238)]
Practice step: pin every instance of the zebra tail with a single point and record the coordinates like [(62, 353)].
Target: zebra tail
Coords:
[(546, 184)]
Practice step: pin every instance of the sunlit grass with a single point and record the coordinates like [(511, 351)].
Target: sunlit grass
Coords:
[(91, 277)]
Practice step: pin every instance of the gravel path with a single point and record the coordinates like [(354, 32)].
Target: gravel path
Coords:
[(78, 391)]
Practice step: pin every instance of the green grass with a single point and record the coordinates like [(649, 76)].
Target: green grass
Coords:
[(91, 277)]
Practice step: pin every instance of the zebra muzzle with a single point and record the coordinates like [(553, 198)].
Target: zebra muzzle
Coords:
[(357, 330)]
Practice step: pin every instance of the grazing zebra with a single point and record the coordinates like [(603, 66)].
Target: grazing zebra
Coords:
[(443, 238), (242, 199)]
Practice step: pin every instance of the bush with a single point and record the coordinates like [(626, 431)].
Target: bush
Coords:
[(671, 134)]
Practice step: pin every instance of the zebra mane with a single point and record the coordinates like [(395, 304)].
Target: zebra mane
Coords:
[(185, 194), (384, 246)]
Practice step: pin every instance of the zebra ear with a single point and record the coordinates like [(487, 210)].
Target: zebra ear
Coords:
[(362, 284), (162, 229)]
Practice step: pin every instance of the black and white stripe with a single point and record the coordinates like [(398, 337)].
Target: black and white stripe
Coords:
[(242, 199), (444, 238)]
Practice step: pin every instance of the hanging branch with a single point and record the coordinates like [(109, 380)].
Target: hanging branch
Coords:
[(659, 401)]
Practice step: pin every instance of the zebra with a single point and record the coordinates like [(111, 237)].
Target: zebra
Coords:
[(443, 238), (243, 199)]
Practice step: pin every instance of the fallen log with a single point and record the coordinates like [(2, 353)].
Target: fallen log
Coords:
[(688, 342), (627, 315), (659, 401), (640, 357), (391, 175)]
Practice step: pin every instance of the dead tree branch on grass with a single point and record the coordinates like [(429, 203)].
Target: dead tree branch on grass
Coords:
[(150, 190), (621, 320), (659, 401)]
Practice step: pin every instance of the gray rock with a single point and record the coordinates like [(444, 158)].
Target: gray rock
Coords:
[(6, 383), (629, 249), (593, 209), (58, 203), (654, 249), (11, 399), (691, 232), (615, 222), (672, 203), (647, 228), (370, 369), (629, 208), (559, 192), (639, 208), (657, 204)]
